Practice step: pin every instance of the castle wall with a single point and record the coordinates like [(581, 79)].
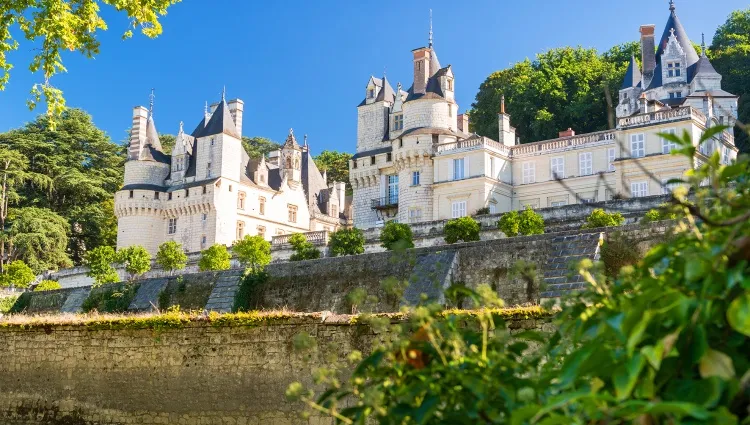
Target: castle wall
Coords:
[(430, 113), (371, 125), (146, 172)]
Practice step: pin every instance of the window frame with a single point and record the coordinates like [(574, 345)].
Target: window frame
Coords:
[(611, 156), (458, 209), (638, 138), (292, 213), (666, 146), (639, 189), (528, 172), (415, 178), (261, 205), (586, 159), (557, 162), (459, 164), (172, 226)]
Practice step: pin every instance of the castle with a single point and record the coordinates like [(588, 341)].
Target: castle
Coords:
[(210, 191), (416, 159)]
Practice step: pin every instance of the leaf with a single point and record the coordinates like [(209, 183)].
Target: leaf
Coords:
[(699, 344), (626, 376), (569, 370), (654, 354), (636, 334), (677, 408), (738, 314), (426, 409), (711, 132), (716, 363), (521, 415)]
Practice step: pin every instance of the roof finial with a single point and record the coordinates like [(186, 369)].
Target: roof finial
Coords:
[(305, 139), (181, 127), (671, 5), (430, 28), (703, 44), (224, 94), (205, 109), (502, 104), (151, 103)]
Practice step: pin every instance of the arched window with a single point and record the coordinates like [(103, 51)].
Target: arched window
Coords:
[(241, 200), (288, 162)]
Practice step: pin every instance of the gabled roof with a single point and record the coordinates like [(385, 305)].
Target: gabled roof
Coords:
[(221, 122), (312, 182), (386, 92), (632, 75), (704, 67)]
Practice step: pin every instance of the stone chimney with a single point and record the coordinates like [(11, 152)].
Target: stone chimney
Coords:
[(138, 132), (341, 189), (507, 134), (421, 69), (236, 108), (644, 103), (463, 123), (648, 53), (567, 133)]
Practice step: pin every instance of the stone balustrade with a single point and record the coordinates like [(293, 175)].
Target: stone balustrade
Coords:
[(562, 143), (657, 117), (319, 237), (471, 144)]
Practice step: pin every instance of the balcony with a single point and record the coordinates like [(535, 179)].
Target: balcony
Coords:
[(659, 117), (385, 203)]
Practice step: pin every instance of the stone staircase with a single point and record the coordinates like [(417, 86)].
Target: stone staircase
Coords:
[(222, 296), (431, 276), (74, 302), (559, 280), (147, 297)]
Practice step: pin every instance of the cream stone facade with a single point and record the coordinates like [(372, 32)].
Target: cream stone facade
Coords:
[(209, 190), (416, 160)]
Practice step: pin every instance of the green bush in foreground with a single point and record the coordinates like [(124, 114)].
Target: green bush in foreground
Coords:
[(347, 242), (600, 218), (464, 229), (659, 214)]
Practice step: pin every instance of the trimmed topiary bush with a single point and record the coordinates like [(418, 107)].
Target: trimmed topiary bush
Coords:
[(464, 229), (347, 242), (659, 214), (395, 235), (303, 249), (600, 218), (528, 222), (215, 258)]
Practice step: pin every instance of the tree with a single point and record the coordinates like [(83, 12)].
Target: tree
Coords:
[(600, 218), (254, 252), (135, 259), (100, 260), (561, 88), (171, 256), (303, 249), (259, 146), (508, 223), (17, 275), (47, 285), (347, 242), (530, 222), (215, 257), (39, 237), (336, 165), (730, 55), (395, 235), (167, 142), (464, 229), (66, 25)]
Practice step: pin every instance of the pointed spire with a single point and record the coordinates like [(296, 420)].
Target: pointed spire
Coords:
[(182, 130), (671, 6), (703, 44), (430, 28), (224, 94), (305, 140), (151, 104)]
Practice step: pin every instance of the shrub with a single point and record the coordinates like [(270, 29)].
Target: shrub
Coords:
[(47, 285), (135, 259), (249, 284), (530, 222), (6, 303), (509, 223), (347, 242), (395, 235), (482, 211), (599, 218), (215, 258), (617, 252), (113, 299), (254, 252), (100, 261), (17, 275), (658, 214), (303, 249), (464, 229), (171, 257)]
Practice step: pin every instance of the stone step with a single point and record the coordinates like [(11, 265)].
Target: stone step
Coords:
[(223, 293), (75, 299), (565, 286)]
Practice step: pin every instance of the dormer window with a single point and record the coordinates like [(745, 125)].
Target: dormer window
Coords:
[(370, 93), (450, 84), (674, 69), (398, 122)]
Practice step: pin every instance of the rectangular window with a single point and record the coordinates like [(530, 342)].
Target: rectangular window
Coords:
[(611, 159), (205, 190), (372, 160), (203, 241), (169, 196), (130, 195), (458, 169), (638, 189), (557, 168), (668, 146), (230, 187), (187, 193), (585, 164), (587, 200), (208, 170), (240, 230), (637, 145), (261, 231), (529, 172), (415, 215), (558, 204), (673, 69), (458, 209), (172, 228), (398, 121), (292, 213), (493, 167), (493, 208), (204, 218), (393, 189), (262, 205), (388, 157), (450, 110), (156, 195), (415, 178), (725, 155)]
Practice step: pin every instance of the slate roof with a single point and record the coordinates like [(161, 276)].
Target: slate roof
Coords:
[(386, 93), (372, 152), (313, 183), (150, 153), (221, 122), (682, 38), (704, 67), (632, 75)]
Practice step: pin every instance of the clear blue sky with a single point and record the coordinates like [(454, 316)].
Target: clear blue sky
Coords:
[(304, 64)]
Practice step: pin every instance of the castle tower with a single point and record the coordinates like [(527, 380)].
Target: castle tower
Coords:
[(290, 162)]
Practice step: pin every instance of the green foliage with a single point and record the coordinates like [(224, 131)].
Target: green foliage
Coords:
[(135, 259), (561, 88), (257, 147), (64, 25), (171, 256), (250, 283), (39, 237), (659, 214), (482, 211), (254, 252), (395, 235), (336, 165), (21, 304), (17, 275), (6, 303), (347, 242), (47, 285), (600, 218), (303, 250), (100, 260), (619, 251), (167, 142), (110, 299), (215, 258), (464, 229), (664, 343), (528, 222)]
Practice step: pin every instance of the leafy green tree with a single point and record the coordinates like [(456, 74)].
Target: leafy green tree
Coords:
[(730, 55), (346, 242), (600, 218), (464, 229), (167, 142), (47, 285), (303, 249), (17, 275), (215, 257), (135, 259), (171, 256), (254, 252), (336, 165), (509, 223), (259, 146), (65, 25), (395, 235), (658, 214), (100, 260), (39, 237), (530, 222)]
